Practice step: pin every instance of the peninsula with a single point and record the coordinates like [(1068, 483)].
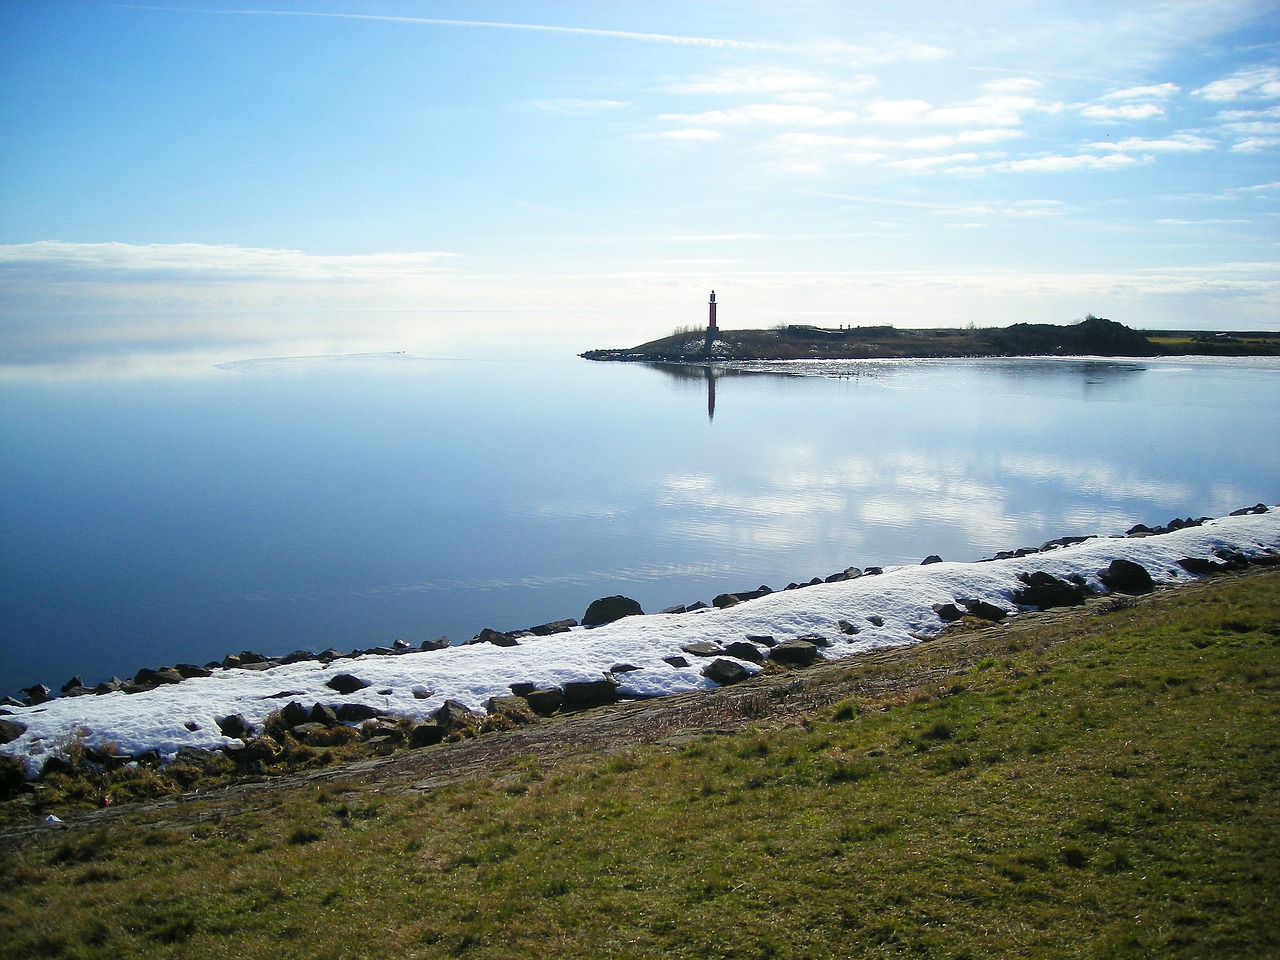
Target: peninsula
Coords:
[(1093, 336)]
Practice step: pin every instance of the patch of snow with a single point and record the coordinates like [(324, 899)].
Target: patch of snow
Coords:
[(891, 609)]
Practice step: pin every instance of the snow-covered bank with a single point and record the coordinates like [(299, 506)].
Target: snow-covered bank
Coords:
[(644, 653)]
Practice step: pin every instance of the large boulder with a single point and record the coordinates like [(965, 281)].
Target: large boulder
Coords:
[(545, 701), (345, 683), (11, 730), (725, 672), (608, 609), (794, 653), (1044, 590), (1126, 576), (590, 693), (235, 726)]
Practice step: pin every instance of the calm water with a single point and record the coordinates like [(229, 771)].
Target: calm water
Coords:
[(277, 505)]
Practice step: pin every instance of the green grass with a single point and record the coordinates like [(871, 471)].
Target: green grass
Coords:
[(1104, 787)]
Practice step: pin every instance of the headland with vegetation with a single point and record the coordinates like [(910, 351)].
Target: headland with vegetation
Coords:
[(1093, 336)]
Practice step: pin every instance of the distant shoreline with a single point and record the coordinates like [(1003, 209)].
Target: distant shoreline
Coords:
[(1093, 336)]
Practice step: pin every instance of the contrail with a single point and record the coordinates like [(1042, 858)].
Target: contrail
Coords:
[(496, 25)]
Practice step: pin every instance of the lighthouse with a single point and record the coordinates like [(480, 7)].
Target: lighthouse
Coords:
[(711, 321)]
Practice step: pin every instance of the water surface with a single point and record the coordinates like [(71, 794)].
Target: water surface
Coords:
[(275, 505)]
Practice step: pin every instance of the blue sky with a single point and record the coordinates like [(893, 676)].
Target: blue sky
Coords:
[(232, 179)]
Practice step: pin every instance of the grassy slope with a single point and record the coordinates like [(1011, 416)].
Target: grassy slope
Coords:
[(1097, 785)]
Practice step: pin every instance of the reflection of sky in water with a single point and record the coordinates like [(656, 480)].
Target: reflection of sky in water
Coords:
[(286, 505)]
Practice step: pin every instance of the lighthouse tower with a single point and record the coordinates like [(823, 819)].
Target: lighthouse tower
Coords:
[(711, 322)]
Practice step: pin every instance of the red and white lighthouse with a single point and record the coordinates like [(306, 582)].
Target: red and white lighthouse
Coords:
[(711, 322)]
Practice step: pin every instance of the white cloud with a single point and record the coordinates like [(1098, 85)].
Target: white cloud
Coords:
[(1060, 162), (1155, 91), (1001, 104), (1255, 144), (1124, 111), (1256, 83), (753, 81), (1178, 143)]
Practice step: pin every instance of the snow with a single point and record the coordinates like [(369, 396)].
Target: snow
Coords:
[(904, 597)]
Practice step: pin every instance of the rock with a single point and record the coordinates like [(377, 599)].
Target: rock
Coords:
[(848, 628), (323, 713), (703, 648), (439, 643), (77, 691), (298, 656), (496, 637), (306, 731), (725, 672), (948, 612), (590, 693), (623, 668), (677, 662), (425, 735), (234, 726), (189, 671), (1044, 590), (1125, 576), (72, 684), (609, 609), (345, 683), (730, 599), (545, 701), (260, 665), (1202, 566), (678, 608), (13, 775), (37, 694), (401, 646), (114, 685), (817, 639), (294, 713), (420, 692), (1234, 559), (700, 605), (506, 703), (764, 639), (356, 712), (522, 689), (794, 653), (1244, 511), (248, 658), (11, 730), (154, 678), (876, 620), (744, 651), (455, 714), (550, 629), (330, 654), (984, 610), (873, 571), (932, 558)]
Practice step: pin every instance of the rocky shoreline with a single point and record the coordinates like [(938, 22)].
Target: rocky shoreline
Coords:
[(328, 715), (600, 612)]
